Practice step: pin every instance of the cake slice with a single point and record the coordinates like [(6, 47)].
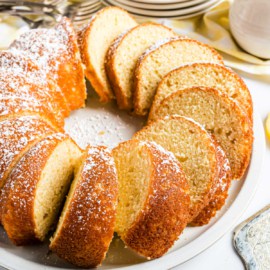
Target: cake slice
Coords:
[(37, 187), (207, 75), (123, 54), (160, 59), (86, 225), (194, 149), (220, 194), (220, 116), (56, 53), (95, 39), (153, 204), (17, 136)]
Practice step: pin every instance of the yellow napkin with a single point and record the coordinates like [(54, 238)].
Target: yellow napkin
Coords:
[(213, 28), (10, 28)]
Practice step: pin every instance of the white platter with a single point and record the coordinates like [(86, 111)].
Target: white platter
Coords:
[(99, 124), (166, 13)]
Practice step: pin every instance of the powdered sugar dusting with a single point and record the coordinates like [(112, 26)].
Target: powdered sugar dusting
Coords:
[(99, 124), (20, 78), (15, 135), (157, 45), (21, 175), (56, 53), (113, 47), (225, 171), (44, 46), (90, 214)]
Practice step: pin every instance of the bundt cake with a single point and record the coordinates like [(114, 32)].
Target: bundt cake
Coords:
[(37, 187), (160, 59), (95, 39), (194, 149), (56, 53), (17, 136), (220, 194), (153, 204), (123, 54), (207, 75), (220, 116), (176, 170), (86, 225)]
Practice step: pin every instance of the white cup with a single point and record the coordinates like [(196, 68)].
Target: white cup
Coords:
[(250, 26)]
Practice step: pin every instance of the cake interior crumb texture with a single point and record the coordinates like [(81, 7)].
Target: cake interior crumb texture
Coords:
[(54, 183), (133, 163)]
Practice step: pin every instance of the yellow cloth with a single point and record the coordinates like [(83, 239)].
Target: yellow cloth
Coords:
[(10, 28), (213, 28)]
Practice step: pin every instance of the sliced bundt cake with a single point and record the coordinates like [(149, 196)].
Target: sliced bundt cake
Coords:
[(160, 59), (194, 149), (153, 204), (56, 53), (37, 187), (123, 54), (95, 40), (17, 135), (220, 194), (220, 116), (207, 75), (86, 225)]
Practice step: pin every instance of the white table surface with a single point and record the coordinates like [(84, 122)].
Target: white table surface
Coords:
[(221, 255)]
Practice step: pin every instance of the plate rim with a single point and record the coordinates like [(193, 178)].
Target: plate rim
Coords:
[(208, 238), (150, 6), (161, 2), (180, 12)]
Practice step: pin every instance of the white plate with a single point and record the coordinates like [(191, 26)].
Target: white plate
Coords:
[(161, 7), (99, 124), (160, 18), (161, 2), (162, 13)]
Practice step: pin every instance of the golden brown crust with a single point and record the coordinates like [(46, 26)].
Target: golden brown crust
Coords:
[(12, 108), (88, 223), (244, 98), (24, 88), (123, 101), (20, 96), (220, 194), (166, 210), (72, 80), (202, 134), (139, 110), (90, 72), (18, 206), (56, 53), (103, 90), (17, 136), (245, 146)]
